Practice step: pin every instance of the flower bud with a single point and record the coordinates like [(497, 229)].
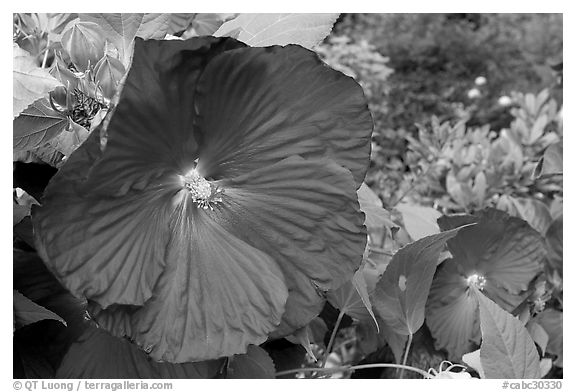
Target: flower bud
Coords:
[(480, 81), (504, 100), (473, 93)]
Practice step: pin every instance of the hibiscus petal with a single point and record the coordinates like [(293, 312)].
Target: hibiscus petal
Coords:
[(108, 249), (217, 295), (97, 354), (150, 131), (257, 106), (306, 216), (452, 312)]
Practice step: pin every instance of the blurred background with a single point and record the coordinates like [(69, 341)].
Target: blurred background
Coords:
[(430, 77)]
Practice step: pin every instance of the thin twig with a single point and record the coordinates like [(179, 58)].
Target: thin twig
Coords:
[(354, 368), (332, 338), (413, 184), (406, 352)]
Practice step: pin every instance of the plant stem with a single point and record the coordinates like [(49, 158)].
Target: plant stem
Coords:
[(354, 368), (406, 352), (45, 54), (381, 251), (332, 338)]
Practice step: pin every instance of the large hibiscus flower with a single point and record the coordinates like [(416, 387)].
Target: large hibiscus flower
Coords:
[(221, 202)]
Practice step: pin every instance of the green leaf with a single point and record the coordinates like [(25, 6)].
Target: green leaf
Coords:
[(507, 350), (97, 354), (37, 125), (27, 312), (179, 22), (551, 162), (84, 42), (208, 24), (533, 211), (419, 221), (69, 140), (154, 26), (371, 340), (109, 71), (30, 82), (400, 295), (21, 205), (553, 158), (256, 363), (472, 359), (552, 322), (376, 216), (555, 243), (302, 337), (538, 334), (353, 297), (19, 212), (121, 29), (279, 29)]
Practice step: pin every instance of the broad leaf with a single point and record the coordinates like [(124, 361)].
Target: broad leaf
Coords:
[(84, 42), (30, 82), (179, 22), (69, 140), (208, 24), (256, 363), (121, 29), (507, 350), (279, 29), (37, 125), (154, 26), (419, 221), (400, 295), (109, 71), (27, 312), (97, 354)]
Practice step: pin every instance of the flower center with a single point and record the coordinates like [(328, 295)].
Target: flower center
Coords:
[(476, 280), (204, 194)]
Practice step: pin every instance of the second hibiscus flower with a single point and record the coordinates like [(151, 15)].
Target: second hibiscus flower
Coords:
[(223, 203)]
